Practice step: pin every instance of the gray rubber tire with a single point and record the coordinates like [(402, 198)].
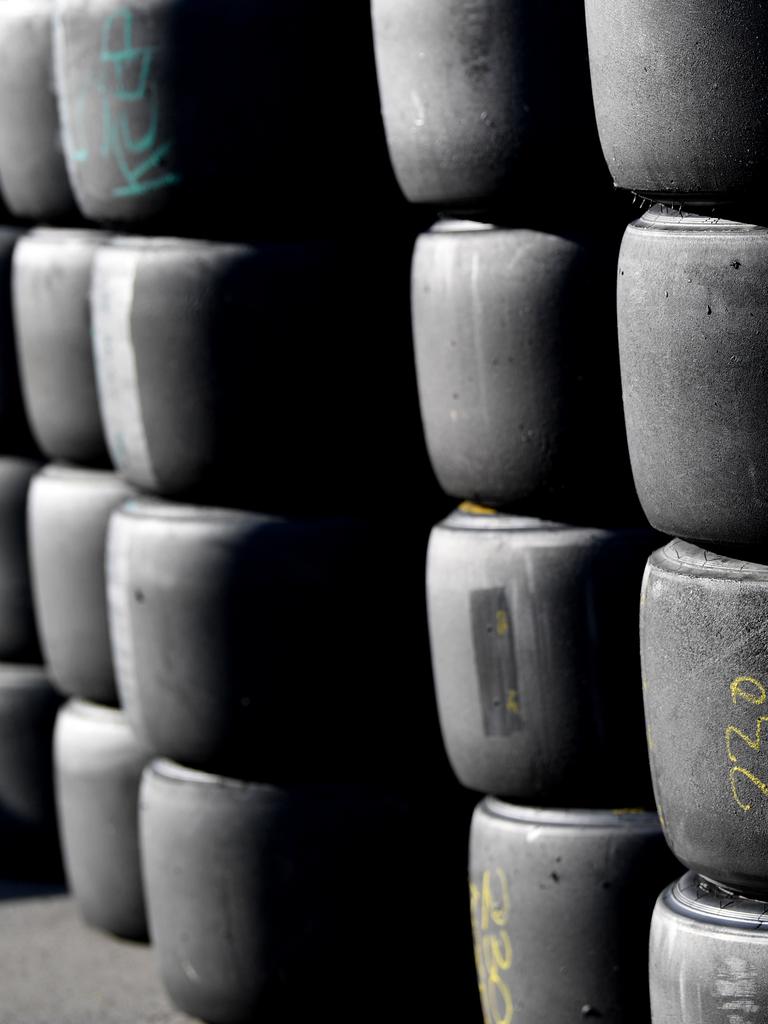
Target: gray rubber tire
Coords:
[(51, 310), (709, 955), (681, 94), (485, 104), (269, 643), (208, 362), (705, 671), (98, 766), (561, 905), (243, 885), (693, 310), (29, 845), (518, 410), (68, 514), (155, 136), (33, 178), (528, 620)]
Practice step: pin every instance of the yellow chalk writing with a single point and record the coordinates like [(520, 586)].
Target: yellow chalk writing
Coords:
[(737, 690), (752, 692), (751, 778), (489, 904)]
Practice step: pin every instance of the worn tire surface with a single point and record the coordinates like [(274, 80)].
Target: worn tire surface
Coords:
[(693, 313), (484, 101), (681, 95), (520, 410), (705, 671), (561, 906)]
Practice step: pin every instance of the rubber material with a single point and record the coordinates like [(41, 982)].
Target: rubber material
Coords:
[(486, 103), (692, 314), (69, 511), (156, 136), (246, 887), (98, 769), (18, 632), (28, 841), (51, 310), (528, 622), (681, 94), (212, 358), (705, 670), (33, 178), (280, 669), (561, 911), (515, 339), (709, 955)]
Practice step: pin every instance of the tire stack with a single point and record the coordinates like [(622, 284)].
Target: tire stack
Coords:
[(28, 704), (681, 95), (532, 582), (236, 344)]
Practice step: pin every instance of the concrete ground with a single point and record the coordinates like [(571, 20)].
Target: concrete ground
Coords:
[(55, 970)]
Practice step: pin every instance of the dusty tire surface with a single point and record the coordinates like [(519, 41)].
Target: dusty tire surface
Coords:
[(680, 94), (705, 676), (561, 905), (483, 101), (519, 383), (692, 316)]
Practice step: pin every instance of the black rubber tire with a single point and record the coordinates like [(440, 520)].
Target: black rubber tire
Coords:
[(486, 103), (51, 311), (518, 410), (693, 311), (33, 178), (278, 669), (528, 621), (246, 889), (709, 955), (18, 632), (681, 94), (215, 387), (705, 671), (562, 904), (15, 435), (156, 135), (68, 513), (29, 845), (98, 766)]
